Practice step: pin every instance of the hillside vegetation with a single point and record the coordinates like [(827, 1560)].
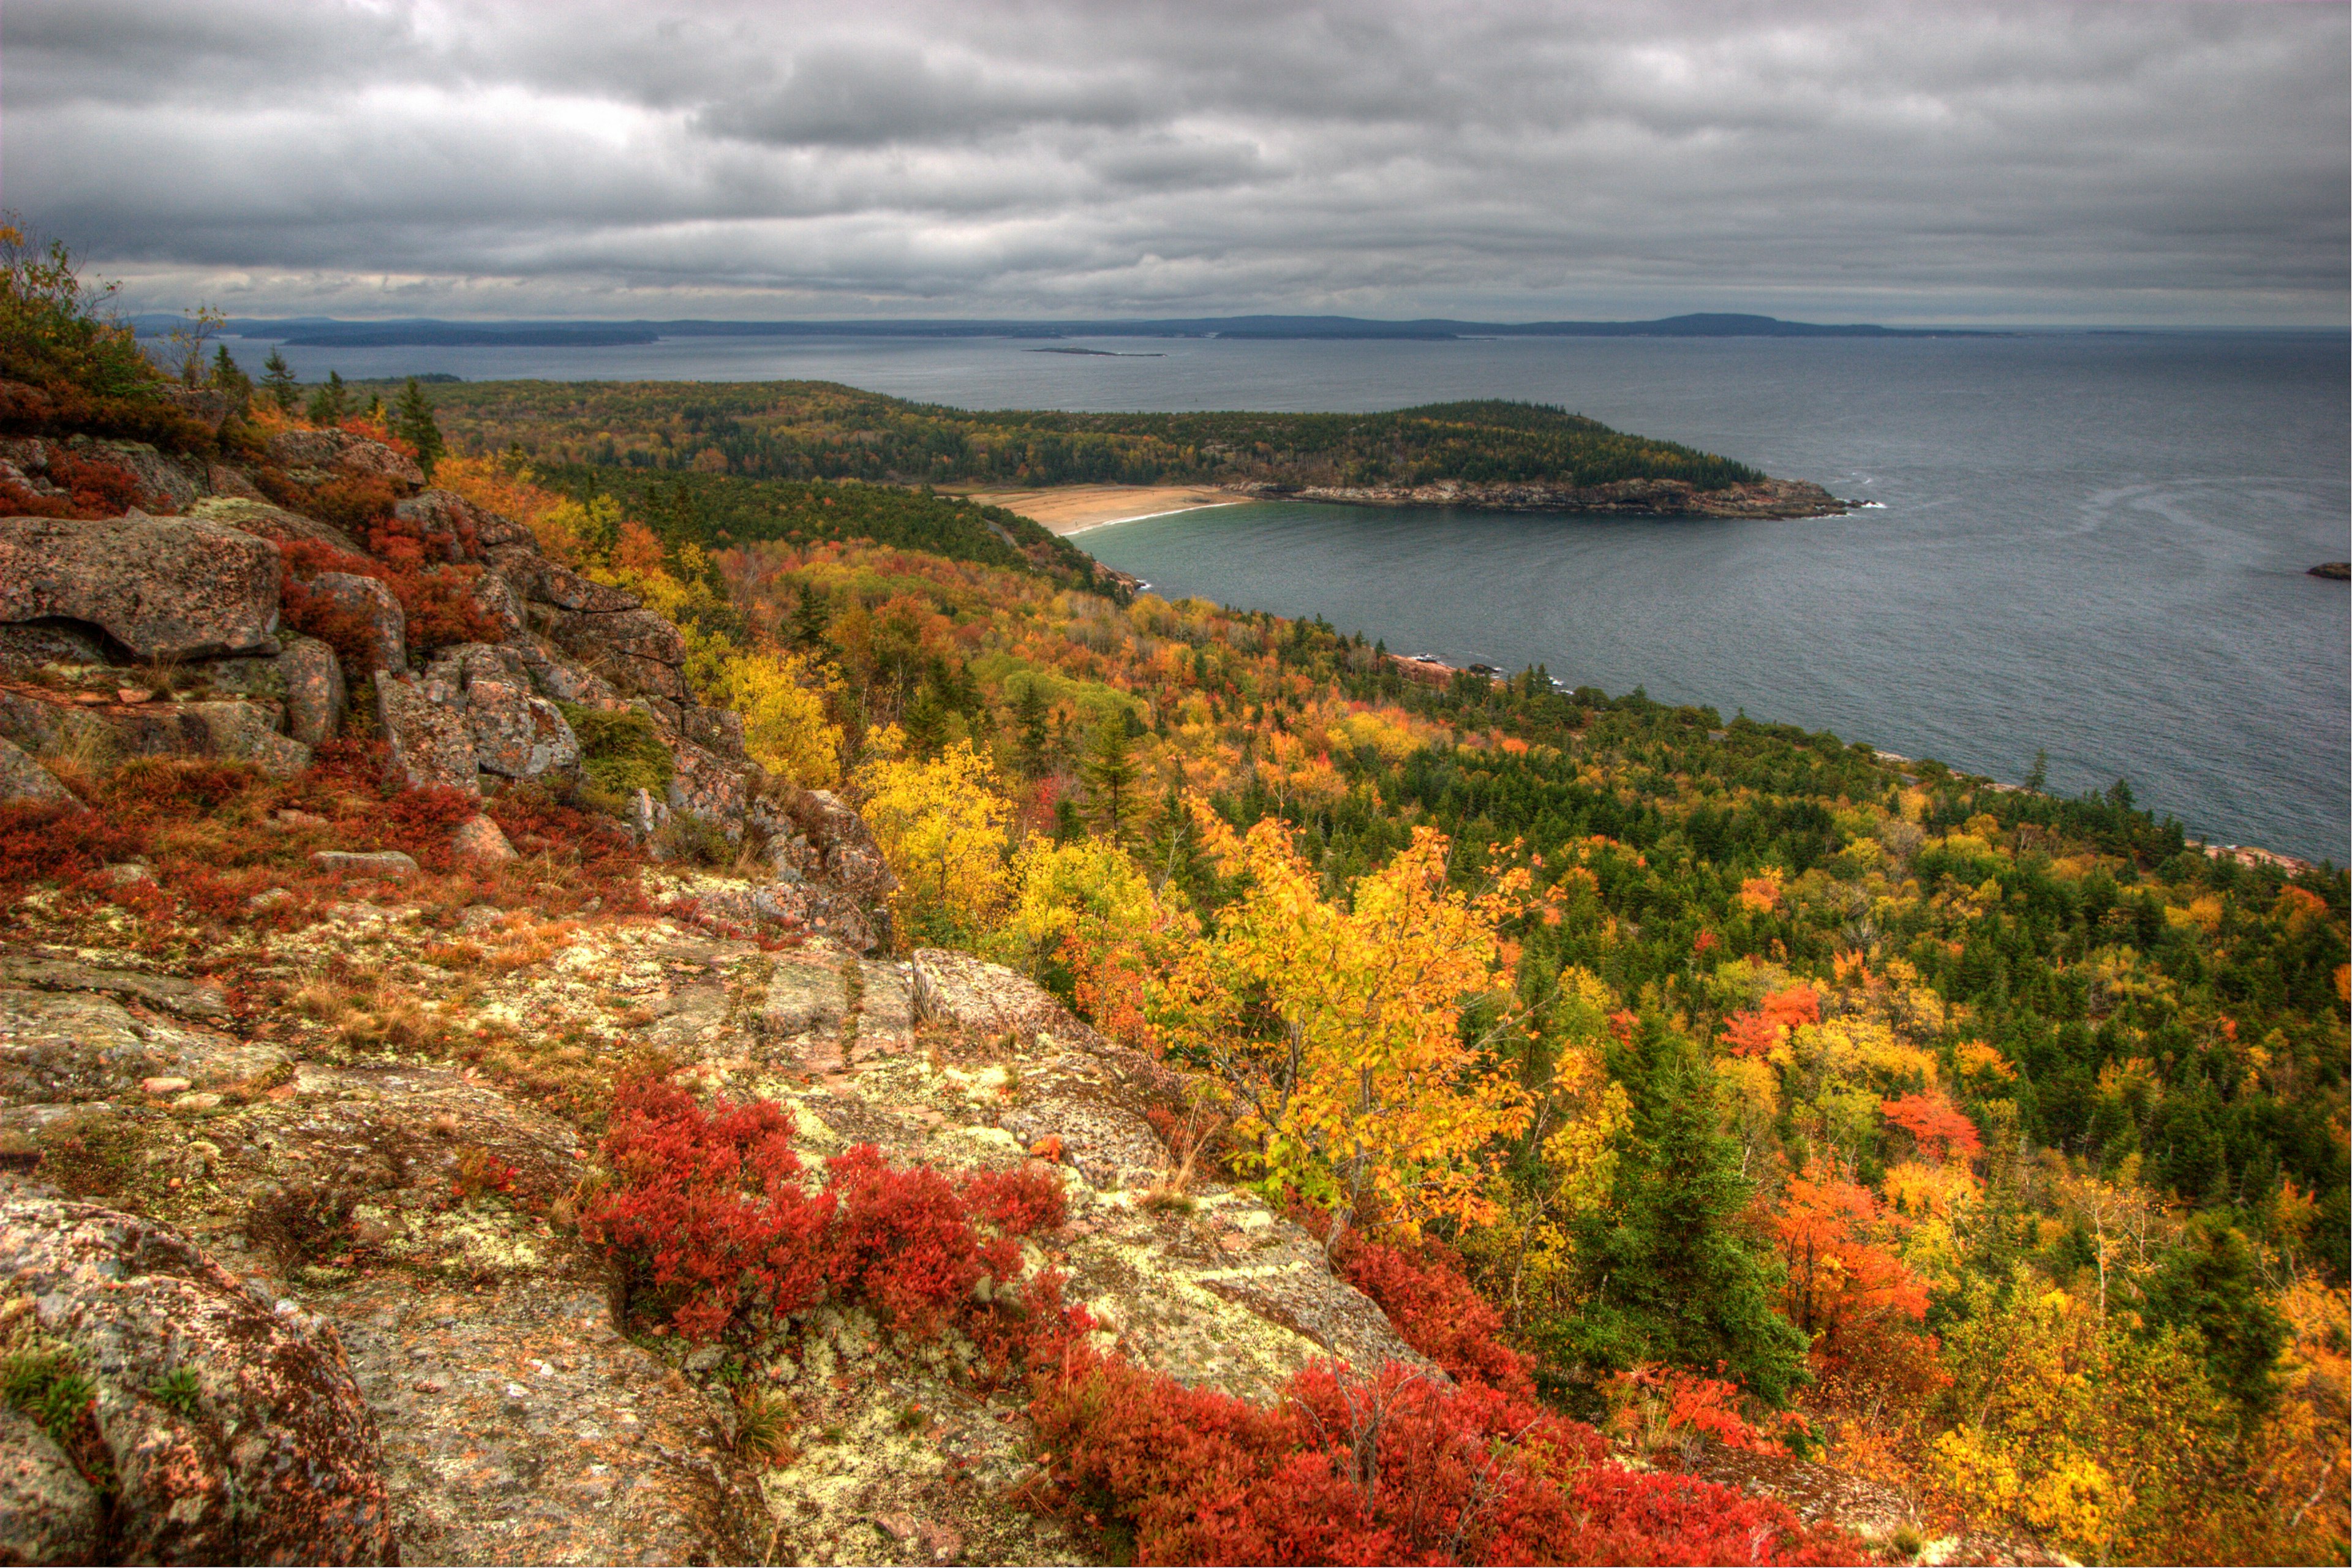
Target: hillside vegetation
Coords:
[(1724, 1108), (811, 429), (1978, 1141)]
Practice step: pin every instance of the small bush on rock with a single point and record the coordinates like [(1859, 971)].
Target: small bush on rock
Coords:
[(712, 1210)]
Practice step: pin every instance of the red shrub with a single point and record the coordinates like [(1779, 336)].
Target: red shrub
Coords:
[(59, 844), (1433, 1306), (1393, 1468), (712, 1204), (904, 1244), (1017, 1202), (94, 488), (353, 503)]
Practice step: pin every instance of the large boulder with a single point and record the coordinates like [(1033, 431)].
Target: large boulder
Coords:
[(536, 580), (371, 607), (463, 530), (252, 515), (315, 691), (233, 1428), (339, 451), (517, 734), (167, 484), (26, 782), (431, 743), (165, 588), (110, 732), (636, 646)]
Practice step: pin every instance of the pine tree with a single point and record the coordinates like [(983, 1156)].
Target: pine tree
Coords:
[(1674, 1275), (1031, 740), (228, 377), (810, 619), (1110, 773), (412, 422), (330, 403), (278, 381), (926, 721)]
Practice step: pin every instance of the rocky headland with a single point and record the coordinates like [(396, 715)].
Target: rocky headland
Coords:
[(1626, 497)]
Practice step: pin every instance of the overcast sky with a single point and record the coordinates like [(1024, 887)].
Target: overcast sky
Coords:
[(1515, 161)]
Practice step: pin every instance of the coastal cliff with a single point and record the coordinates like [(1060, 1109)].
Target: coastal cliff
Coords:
[(1626, 497)]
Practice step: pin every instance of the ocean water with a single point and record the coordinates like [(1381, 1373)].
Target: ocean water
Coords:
[(2089, 543)]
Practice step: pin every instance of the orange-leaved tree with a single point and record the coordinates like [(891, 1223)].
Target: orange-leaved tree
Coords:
[(1339, 1027)]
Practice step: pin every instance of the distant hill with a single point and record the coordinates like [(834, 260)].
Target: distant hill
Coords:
[(318, 332)]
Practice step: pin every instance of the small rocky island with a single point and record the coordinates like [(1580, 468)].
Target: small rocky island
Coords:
[(2339, 570)]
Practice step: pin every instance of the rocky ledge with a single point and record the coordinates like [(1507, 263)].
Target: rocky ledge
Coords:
[(1626, 497)]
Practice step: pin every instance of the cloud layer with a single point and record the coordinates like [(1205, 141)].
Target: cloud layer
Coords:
[(2143, 164)]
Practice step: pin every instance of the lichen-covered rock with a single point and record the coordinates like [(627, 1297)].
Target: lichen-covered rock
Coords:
[(847, 853), (985, 998), (49, 1512), (165, 480), (69, 1045), (712, 787), (717, 730), (498, 606), (536, 580), (315, 693), (390, 864), (24, 780), (166, 588), (463, 530), (479, 839), (264, 1451), (517, 734), (251, 514), (637, 647), (29, 646), (385, 644), (110, 732), (342, 452), (431, 743)]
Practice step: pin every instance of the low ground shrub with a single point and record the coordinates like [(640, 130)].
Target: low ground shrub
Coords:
[(710, 1210)]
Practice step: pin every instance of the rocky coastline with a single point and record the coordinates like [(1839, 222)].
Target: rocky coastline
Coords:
[(1773, 498)]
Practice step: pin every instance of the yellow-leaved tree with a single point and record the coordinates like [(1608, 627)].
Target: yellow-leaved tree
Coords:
[(1339, 1028), (941, 826), (782, 696)]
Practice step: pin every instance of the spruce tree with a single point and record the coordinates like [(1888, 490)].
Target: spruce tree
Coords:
[(1030, 718), (1110, 773), (228, 377), (278, 381), (1674, 1274), (810, 618), (330, 403), (412, 422), (926, 721)]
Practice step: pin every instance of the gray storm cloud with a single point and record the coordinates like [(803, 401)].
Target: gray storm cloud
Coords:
[(1515, 161)]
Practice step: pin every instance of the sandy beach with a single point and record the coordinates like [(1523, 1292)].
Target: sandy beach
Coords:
[(1074, 509)]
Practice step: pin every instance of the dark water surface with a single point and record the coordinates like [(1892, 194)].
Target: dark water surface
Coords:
[(2092, 543)]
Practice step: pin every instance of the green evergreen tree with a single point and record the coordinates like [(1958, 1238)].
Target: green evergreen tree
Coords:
[(330, 403), (1110, 773), (1031, 740), (228, 377), (412, 422), (926, 721), (2210, 1286), (1672, 1273), (810, 619), (278, 381)]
